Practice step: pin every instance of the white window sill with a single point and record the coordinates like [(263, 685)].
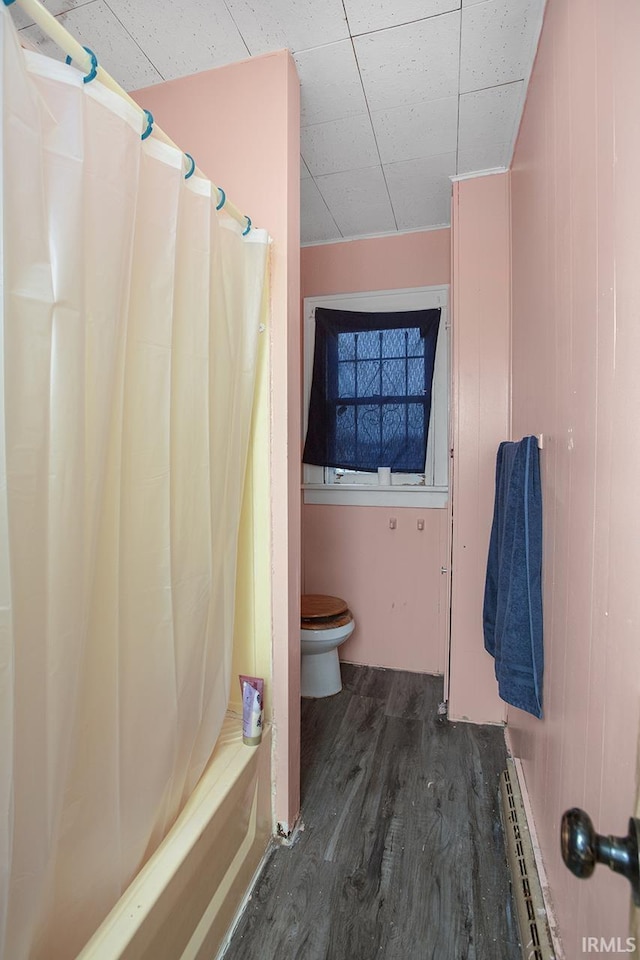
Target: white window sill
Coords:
[(367, 495)]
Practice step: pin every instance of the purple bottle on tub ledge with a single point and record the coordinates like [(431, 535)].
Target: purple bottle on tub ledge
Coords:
[(252, 709)]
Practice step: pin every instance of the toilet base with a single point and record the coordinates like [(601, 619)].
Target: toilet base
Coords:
[(320, 674)]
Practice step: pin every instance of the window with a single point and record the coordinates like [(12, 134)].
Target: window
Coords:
[(371, 389), (378, 402)]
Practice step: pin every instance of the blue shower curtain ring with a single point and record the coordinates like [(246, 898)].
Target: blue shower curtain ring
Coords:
[(192, 166), (248, 226), (222, 200), (149, 117), (93, 73)]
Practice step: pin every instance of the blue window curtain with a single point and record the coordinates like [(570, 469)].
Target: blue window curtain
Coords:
[(371, 389)]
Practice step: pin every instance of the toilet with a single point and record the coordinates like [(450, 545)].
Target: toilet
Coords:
[(325, 623)]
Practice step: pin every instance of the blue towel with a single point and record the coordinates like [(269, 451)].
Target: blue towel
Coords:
[(513, 591)]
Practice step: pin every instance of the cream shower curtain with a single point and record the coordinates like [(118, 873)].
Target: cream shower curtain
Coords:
[(129, 331)]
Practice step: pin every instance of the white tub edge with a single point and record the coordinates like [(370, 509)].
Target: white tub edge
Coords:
[(184, 900)]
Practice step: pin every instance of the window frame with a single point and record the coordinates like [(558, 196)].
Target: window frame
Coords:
[(320, 484)]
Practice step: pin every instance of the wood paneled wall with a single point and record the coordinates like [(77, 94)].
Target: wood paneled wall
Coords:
[(576, 349), (481, 317)]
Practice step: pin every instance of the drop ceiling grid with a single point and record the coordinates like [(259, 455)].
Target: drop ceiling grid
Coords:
[(318, 223), (365, 16), (203, 32), (450, 86), (359, 201), (95, 26), (397, 95)]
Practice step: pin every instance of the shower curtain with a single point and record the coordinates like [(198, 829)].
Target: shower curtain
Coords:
[(129, 330)]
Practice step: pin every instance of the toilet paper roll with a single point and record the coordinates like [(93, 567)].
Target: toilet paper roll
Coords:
[(384, 476)]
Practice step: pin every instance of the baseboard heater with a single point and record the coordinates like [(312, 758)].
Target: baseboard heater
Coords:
[(535, 935)]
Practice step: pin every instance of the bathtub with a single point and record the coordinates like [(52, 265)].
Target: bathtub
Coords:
[(183, 902)]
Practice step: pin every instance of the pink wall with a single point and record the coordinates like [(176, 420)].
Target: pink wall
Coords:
[(576, 348), (416, 259), (391, 579), (241, 124), (481, 318)]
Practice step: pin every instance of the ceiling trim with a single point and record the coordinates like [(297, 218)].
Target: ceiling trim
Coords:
[(375, 236), (478, 173)]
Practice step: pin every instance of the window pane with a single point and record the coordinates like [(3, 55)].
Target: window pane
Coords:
[(368, 344), (386, 434), (394, 380), (394, 343), (368, 440), (346, 346), (415, 343), (393, 431), (345, 433), (382, 434), (346, 379), (403, 435), (368, 378), (416, 384), (416, 432)]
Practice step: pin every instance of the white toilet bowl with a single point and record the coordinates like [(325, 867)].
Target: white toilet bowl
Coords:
[(320, 636)]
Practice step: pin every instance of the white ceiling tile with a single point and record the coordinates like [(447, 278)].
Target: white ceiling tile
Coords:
[(421, 191), (19, 17), (201, 37), (498, 42), (438, 168), (283, 23), (317, 224), (95, 26), (418, 61), (56, 7), (489, 116), (367, 15), (484, 157), (420, 130), (358, 201), (339, 145), (331, 88), (441, 78)]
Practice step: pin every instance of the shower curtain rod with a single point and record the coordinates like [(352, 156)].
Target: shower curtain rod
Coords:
[(47, 22)]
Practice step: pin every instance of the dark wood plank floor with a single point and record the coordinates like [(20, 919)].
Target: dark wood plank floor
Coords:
[(402, 853)]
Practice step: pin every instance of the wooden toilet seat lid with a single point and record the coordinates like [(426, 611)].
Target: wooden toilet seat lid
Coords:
[(318, 606)]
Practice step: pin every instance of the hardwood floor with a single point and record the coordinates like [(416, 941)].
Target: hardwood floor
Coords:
[(402, 853)]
